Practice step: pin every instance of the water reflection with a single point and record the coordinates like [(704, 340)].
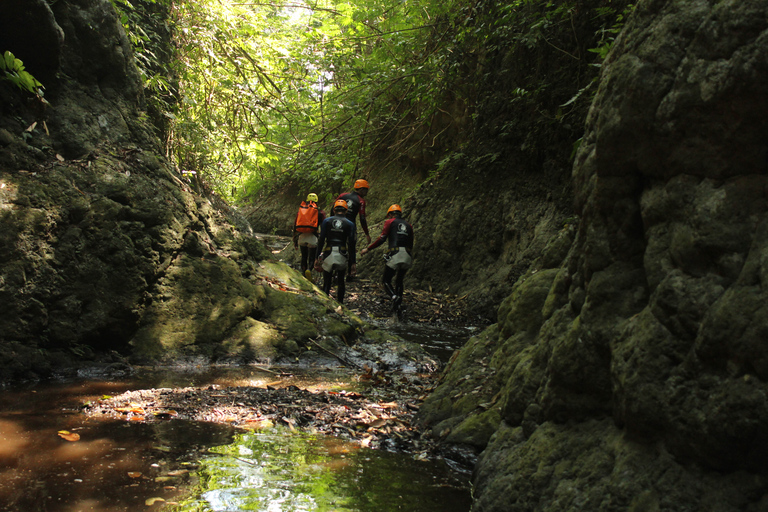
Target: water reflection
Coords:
[(126, 466), (290, 471), (438, 341), (114, 466)]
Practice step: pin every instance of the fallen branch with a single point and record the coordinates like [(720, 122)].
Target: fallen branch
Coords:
[(337, 356)]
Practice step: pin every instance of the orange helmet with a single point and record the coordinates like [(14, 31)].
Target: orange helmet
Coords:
[(395, 208), (361, 184), (340, 203)]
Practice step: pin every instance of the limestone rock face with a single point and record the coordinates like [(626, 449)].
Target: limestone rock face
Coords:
[(638, 381), (106, 253)]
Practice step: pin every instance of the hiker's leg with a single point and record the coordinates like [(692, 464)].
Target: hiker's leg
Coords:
[(341, 287), (327, 282), (389, 273), (304, 258)]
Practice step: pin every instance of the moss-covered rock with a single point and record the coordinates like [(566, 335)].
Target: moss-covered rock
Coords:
[(631, 378), (196, 302), (252, 340), (105, 250)]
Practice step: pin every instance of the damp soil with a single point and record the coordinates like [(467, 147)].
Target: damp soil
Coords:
[(363, 405), (367, 299)]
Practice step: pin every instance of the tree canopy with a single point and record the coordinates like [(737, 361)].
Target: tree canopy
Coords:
[(257, 93)]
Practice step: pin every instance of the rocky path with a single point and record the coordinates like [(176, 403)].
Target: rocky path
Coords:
[(373, 408), (369, 301)]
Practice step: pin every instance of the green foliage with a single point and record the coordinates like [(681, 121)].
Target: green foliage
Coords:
[(607, 35), (143, 20), (321, 93), (13, 71), (288, 91)]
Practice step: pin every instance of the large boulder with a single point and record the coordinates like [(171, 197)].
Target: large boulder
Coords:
[(638, 380)]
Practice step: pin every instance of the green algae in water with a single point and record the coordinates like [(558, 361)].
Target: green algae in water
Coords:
[(283, 471)]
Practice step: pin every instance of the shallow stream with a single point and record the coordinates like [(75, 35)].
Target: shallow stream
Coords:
[(54, 458)]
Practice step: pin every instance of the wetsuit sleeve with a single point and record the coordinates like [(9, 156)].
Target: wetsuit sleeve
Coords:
[(383, 236), (363, 220), (410, 236)]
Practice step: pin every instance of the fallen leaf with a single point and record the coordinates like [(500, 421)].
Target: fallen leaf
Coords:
[(134, 474), (165, 414), (152, 501), (69, 436), (132, 409)]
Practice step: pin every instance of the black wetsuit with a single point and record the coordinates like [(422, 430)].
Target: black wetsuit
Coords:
[(399, 233), (355, 206), (338, 232)]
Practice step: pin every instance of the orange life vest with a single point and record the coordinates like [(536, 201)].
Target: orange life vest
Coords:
[(306, 219)]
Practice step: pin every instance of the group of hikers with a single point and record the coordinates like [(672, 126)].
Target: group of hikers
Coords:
[(328, 244)]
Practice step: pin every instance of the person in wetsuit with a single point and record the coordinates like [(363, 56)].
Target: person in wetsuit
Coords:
[(356, 206), (338, 236), (305, 236), (399, 233)]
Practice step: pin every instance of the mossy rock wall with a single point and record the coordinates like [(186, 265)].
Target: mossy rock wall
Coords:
[(631, 376), (107, 254)]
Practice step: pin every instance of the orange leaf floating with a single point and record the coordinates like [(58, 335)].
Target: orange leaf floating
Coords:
[(132, 409), (69, 436), (134, 474)]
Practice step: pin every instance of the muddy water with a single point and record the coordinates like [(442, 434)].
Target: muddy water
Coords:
[(54, 458)]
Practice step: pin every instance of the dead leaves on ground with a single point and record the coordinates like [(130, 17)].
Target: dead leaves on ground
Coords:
[(352, 415), (367, 298)]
